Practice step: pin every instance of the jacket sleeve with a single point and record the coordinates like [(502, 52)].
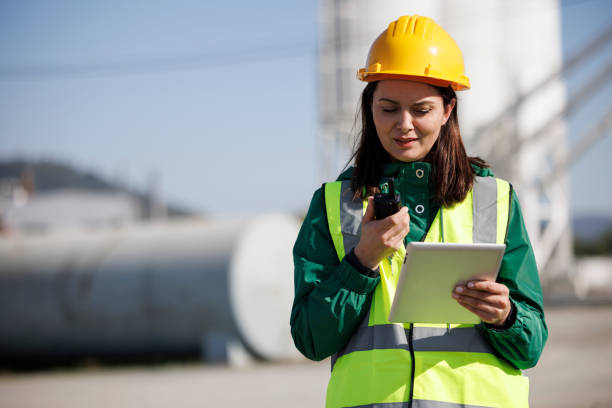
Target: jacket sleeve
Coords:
[(522, 342), (331, 296)]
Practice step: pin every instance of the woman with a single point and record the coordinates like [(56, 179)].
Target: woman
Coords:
[(347, 262)]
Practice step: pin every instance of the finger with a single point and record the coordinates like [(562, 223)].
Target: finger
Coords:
[(479, 303), (488, 286), (479, 306), (483, 315), (491, 299), (395, 238), (493, 312), (369, 214), (398, 223), (396, 243), (400, 216)]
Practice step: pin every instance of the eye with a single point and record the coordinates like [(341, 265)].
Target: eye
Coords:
[(388, 109), (421, 111)]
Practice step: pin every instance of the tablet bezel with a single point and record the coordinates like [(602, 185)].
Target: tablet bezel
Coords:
[(429, 275)]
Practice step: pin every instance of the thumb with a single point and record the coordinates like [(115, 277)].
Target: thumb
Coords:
[(369, 214)]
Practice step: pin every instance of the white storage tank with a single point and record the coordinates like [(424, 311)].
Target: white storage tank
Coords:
[(171, 287)]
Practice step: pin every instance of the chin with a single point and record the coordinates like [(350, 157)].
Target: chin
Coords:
[(405, 159)]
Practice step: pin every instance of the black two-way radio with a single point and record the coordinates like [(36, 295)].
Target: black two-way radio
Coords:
[(387, 202)]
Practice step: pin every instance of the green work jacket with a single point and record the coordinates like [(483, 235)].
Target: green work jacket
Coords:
[(332, 297)]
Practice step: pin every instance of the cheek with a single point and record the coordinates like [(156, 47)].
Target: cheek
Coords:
[(429, 127), (381, 122)]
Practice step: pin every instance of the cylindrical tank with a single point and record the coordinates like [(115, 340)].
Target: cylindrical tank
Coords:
[(151, 288)]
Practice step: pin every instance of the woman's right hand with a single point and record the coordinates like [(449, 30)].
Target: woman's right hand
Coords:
[(380, 238)]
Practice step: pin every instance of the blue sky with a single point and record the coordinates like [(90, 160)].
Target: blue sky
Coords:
[(219, 99)]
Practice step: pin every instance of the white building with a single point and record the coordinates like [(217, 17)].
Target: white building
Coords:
[(61, 209)]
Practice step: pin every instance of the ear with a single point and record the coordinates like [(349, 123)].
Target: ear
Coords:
[(448, 109)]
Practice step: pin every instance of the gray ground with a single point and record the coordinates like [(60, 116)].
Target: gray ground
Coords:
[(574, 371)]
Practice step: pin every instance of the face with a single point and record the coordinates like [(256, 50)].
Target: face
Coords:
[(408, 117)]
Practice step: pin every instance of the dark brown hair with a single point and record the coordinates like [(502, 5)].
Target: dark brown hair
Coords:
[(451, 174)]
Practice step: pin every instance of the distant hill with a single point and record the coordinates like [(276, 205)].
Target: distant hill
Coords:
[(50, 175), (47, 175), (591, 227)]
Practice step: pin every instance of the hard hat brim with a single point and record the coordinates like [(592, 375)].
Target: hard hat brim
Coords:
[(376, 76)]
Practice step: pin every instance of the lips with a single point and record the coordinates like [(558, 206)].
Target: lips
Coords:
[(405, 142)]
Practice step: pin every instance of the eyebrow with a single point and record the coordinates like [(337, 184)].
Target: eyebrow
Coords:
[(424, 102)]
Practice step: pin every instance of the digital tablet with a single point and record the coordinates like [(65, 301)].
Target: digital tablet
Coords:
[(431, 272)]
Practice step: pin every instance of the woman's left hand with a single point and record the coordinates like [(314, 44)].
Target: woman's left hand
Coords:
[(488, 300)]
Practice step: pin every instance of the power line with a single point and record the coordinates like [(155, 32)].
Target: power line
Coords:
[(156, 65), (168, 64)]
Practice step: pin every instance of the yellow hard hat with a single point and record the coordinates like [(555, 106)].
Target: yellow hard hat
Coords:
[(416, 48)]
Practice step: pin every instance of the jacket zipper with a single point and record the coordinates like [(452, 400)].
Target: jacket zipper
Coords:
[(412, 364)]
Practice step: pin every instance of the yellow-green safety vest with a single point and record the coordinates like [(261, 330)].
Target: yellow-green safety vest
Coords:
[(395, 365)]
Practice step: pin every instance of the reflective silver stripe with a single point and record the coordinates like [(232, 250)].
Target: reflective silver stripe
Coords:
[(484, 225), (363, 324), (418, 404), (351, 213), (439, 404), (381, 336), (394, 336), (465, 339)]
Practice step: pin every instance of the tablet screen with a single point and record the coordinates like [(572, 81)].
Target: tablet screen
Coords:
[(431, 272)]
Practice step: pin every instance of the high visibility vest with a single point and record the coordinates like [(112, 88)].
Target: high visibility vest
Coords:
[(395, 365)]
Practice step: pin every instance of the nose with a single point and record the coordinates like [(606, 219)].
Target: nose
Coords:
[(404, 123)]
